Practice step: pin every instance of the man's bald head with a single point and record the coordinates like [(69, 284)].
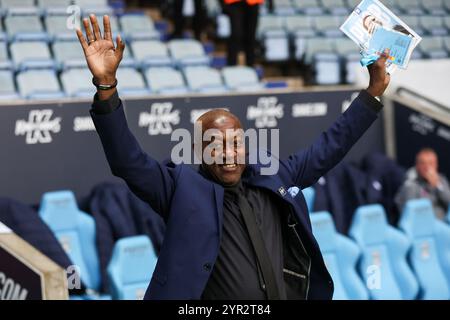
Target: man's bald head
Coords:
[(227, 146), (216, 118)]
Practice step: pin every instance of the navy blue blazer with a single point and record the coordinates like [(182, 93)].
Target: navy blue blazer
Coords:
[(191, 205)]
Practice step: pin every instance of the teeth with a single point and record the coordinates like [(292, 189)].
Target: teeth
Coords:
[(229, 165)]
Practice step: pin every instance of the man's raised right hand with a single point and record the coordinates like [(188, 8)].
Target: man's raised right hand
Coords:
[(102, 56)]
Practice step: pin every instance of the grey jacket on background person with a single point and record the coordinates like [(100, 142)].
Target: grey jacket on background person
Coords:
[(416, 187)]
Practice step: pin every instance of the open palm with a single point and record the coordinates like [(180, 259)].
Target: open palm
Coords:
[(102, 56)]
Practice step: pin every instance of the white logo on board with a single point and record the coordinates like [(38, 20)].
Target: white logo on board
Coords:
[(266, 112), (160, 118), (38, 127)]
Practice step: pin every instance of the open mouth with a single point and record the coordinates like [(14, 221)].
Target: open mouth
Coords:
[(229, 167)]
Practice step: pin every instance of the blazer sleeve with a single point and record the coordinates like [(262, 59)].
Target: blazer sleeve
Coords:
[(150, 180), (308, 165)]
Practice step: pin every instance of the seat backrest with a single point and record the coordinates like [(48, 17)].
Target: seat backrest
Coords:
[(29, 50), (380, 257), (149, 49), (186, 48), (340, 256), (34, 83), (54, 3), (92, 3), (131, 267), (16, 3), (129, 78), (136, 23), (431, 43), (160, 79), (6, 82), (57, 24), (77, 83), (75, 230), (21, 24), (309, 194), (419, 223), (296, 22), (201, 77), (237, 76), (270, 22), (67, 50)]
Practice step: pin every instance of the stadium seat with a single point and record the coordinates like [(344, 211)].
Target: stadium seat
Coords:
[(56, 26), (223, 26), (241, 78), (131, 83), (5, 62), (39, 84), (421, 226), (269, 23), (329, 26), (283, 7), (352, 4), (276, 46), (383, 266), (413, 21), (151, 53), (433, 48), (138, 27), (446, 21), (204, 79), (78, 83), (309, 7), (309, 194), (8, 4), (7, 87), (410, 6), (75, 230), (435, 7), (165, 80), (433, 25), (98, 7), (25, 28), (54, 7), (350, 58), (31, 55), (299, 26), (188, 52), (335, 7), (68, 54), (340, 255), (131, 267)]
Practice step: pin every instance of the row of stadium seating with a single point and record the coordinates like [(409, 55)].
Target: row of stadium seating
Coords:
[(44, 84), (133, 258), (379, 261)]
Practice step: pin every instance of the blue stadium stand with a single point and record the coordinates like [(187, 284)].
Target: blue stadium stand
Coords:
[(77, 83), (309, 194), (138, 27), (31, 55), (68, 54), (39, 85), (151, 53), (204, 79), (7, 87), (25, 28), (241, 78), (75, 230), (165, 80), (421, 226), (384, 264), (309, 7), (131, 83), (131, 267), (340, 256), (188, 52)]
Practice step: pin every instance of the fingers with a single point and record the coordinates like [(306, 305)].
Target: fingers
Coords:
[(82, 40), (107, 28), (120, 47), (383, 58), (87, 28), (96, 27)]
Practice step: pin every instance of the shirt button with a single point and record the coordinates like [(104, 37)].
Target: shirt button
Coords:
[(207, 266)]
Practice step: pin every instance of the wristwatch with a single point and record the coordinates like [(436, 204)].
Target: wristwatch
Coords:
[(104, 86)]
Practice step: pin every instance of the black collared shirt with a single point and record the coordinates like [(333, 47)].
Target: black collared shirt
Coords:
[(235, 274)]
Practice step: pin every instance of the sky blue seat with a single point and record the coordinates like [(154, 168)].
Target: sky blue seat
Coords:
[(131, 83), (383, 266), (31, 55), (77, 83), (336, 7), (151, 53), (131, 267), (138, 27), (68, 54), (328, 25), (309, 7), (309, 194), (433, 25), (25, 28), (204, 79), (165, 80), (75, 230), (429, 248), (188, 52), (433, 48), (7, 87), (241, 78), (54, 6), (56, 26), (410, 6), (340, 256), (299, 26), (98, 7), (39, 85)]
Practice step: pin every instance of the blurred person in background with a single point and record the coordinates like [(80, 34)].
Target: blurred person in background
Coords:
[(425, 181), (188, 8), (244, 21)]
